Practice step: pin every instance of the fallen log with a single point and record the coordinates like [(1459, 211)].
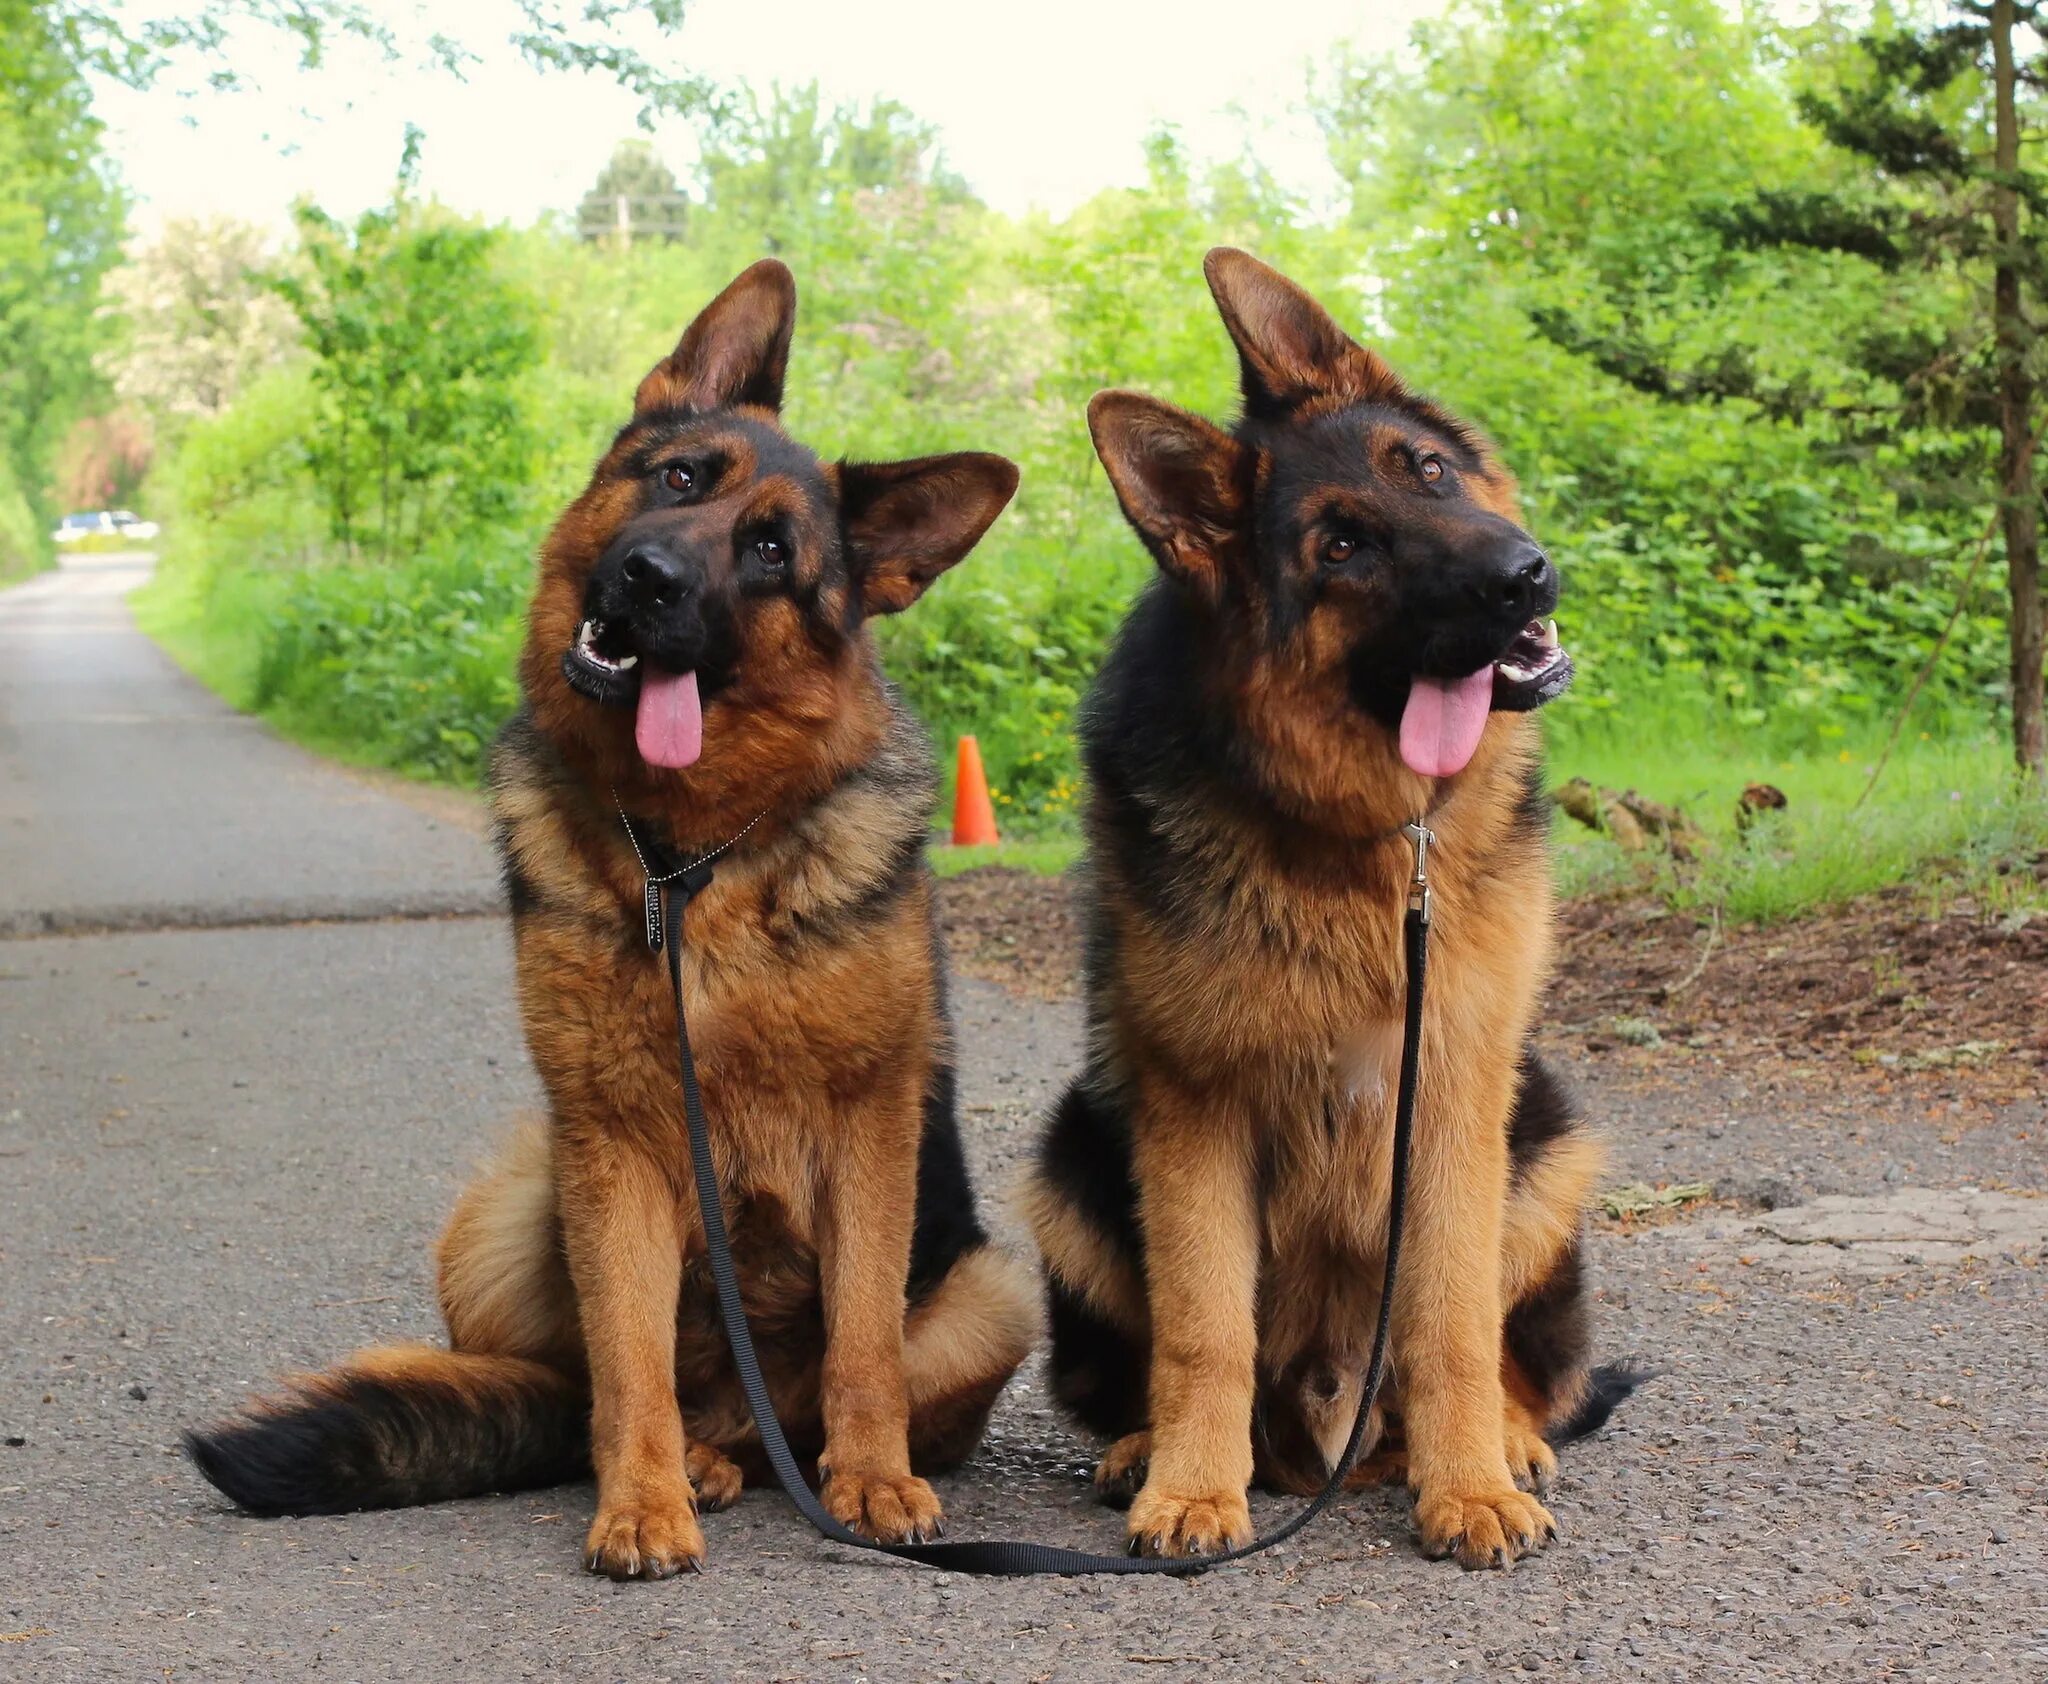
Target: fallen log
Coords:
[(1634, 822)]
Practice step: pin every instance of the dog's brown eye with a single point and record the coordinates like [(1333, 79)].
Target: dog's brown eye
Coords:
[(678, 478), (1431, 468), (770, 552), (1338, 551)]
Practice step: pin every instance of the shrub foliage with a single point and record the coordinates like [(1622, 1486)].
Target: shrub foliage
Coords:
[(1762, 577)]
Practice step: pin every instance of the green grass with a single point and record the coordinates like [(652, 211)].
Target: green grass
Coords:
[(409, 668), (424, 716), (100, 543), (1046, 859), (216, 636), (404, 672), (24, 543), (1947, 818)]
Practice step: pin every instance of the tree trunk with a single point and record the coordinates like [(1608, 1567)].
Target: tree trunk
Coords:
[(344, 502), (384, 494), (2020, 502)]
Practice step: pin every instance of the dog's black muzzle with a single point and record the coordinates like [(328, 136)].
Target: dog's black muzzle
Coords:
[(1477, 596), (650, 600), (1465, 607)]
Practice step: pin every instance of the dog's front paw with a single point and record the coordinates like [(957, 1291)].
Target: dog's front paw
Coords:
[(1489, 1529), (650, 1535), (890, 1508), (1190, 1523)]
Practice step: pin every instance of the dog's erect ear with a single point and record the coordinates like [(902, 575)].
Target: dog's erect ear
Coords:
[(1289, 348), (1182, 482), (907, 522), (735, 352)]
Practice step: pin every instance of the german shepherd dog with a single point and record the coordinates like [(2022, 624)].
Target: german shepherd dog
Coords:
[(698, 657), (1348, 631)]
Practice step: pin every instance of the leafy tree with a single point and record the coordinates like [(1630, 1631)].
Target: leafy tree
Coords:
[(1767, 562), (1742, 576), (24, 544), (197, 318), (1937, 197), (635, 197), (420, 348), (60, 214), (103, 460), (144, 47), (859, 202), (783, 164), (60, 226)]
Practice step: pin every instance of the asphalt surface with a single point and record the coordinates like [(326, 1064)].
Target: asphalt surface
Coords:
[(224, 1151), (130, 799)]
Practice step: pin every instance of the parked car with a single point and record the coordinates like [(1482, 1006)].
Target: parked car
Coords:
[(74, 527), (116, 523)]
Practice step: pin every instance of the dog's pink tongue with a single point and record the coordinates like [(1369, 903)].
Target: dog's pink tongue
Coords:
[(670, 724), (1440, 726)]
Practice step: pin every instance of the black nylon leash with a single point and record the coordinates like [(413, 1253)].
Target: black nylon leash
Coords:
[(1003, 1556)]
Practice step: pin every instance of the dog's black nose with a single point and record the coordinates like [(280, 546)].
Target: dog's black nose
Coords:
[(1518, 583), (654, 578)]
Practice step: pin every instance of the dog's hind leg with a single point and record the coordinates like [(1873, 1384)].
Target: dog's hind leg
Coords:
[(1122, 1472), (714, 1476), (1098, 1372), (1553, 1393), (1554, 1159), (504, 1279), (1082, 1210), (961, 1343)]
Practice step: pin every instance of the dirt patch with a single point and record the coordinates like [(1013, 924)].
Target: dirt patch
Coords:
[(1878, 989), (1015, 928), (1879, 986)]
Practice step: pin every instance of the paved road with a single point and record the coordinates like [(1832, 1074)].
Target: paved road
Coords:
[(223, 1151), (131, 799)]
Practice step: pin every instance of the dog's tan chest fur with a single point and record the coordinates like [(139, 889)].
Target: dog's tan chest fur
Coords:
[(781, 1029)]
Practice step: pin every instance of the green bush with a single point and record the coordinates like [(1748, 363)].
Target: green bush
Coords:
[(1003, 649), (24, 545), (1729, 581), (421, 347), (409, 666), (235, 493)]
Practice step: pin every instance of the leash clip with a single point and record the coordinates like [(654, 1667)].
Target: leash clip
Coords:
[(1420, 836)]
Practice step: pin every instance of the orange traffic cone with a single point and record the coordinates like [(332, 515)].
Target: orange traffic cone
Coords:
[(974, 814)]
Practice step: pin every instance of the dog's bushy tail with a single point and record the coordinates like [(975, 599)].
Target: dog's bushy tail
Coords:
[(1606, 1387), (397, 1426)]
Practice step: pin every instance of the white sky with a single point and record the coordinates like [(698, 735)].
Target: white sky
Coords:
[(1039, 103)]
